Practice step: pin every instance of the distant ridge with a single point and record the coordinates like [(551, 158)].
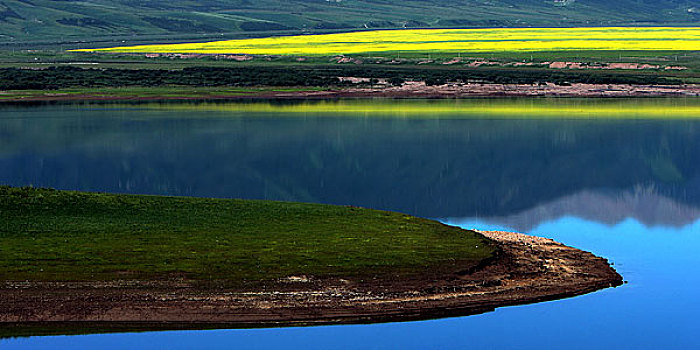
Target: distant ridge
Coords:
[(157, 20)]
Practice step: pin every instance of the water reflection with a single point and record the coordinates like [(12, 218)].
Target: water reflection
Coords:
[(628, 190), (427, 167), (511, 108), (643, 204)]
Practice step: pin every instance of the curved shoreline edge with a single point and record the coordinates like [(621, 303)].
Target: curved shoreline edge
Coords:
[(527, 270)]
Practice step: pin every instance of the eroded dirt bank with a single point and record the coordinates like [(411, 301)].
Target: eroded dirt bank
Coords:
[(419, 89), (407, 90), (528, 269)]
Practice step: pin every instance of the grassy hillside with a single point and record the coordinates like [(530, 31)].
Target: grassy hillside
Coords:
[(61, 235), (160, 20)]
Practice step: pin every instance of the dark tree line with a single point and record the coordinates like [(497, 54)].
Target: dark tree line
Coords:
[(62, 77)]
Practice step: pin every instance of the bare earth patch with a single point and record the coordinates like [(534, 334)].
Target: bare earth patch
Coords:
[(526, 270), (456, 90), (411, 89)]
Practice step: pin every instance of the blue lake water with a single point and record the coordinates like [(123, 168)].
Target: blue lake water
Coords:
[(628, 190)]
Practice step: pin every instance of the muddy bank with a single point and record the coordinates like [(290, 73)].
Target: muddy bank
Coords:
[(419, 89), (527, 270), (407, 90)]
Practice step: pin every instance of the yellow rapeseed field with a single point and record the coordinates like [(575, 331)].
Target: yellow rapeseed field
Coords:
[(447, 40)]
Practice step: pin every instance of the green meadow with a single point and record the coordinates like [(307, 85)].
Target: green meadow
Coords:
[(50, 235)]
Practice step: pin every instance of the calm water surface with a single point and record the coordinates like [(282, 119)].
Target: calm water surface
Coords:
[(626, 189)]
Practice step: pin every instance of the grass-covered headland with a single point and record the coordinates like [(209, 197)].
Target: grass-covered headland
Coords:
[(74, 262), (52, 235)]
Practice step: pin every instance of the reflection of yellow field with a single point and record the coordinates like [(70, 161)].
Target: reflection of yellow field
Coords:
[(680, 108), (513, 39)]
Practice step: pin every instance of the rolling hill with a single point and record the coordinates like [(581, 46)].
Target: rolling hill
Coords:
[(54, 21)]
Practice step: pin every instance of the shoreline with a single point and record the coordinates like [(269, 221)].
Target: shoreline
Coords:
[(528, 269), (407, 91)]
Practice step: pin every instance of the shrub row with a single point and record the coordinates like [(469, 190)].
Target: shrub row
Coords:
[(62, 77)]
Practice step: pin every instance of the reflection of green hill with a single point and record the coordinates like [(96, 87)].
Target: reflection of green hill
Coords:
[(609, 207), (433, 168)]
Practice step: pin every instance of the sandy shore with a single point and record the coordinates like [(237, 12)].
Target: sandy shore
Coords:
[(527, 270)]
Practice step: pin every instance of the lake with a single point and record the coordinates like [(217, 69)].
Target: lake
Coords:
[(619, 178)]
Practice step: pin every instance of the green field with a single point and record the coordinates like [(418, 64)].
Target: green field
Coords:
[(49, 235), (52, 58), (140, 92)]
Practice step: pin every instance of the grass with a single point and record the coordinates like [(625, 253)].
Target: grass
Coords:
[(41, 59), (51, 235), (144, 92), (101, 22), (445, 40)]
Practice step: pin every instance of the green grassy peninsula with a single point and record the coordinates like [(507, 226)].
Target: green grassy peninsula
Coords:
[(50, 235), (75, 262)]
